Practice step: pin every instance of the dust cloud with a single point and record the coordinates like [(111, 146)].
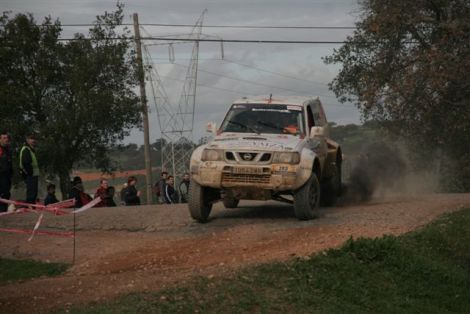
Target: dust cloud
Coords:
[(383, 171)]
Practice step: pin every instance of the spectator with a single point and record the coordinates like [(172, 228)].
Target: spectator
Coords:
[(122, 192), (6, 169), (184, 188), (103, 193), (160, 188), (131, 195), (77, 193), (111, 191), (29, 168), (171, 197), (50, 198)]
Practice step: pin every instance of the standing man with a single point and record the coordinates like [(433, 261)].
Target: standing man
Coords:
[(29, 168), (160, 188), (171, 197), (184, 188), (6, 169)]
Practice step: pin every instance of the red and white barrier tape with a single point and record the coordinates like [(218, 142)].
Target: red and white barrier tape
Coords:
[(18, 211), (64, 204), (36, 226), (55, 209), (67, 234), (88, 206)]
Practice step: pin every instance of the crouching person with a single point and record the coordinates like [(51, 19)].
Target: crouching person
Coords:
[(106, 193), (77, 193), (131, 195), (50, 197)]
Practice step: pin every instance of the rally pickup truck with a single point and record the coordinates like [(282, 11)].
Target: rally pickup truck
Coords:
[(267, 149)]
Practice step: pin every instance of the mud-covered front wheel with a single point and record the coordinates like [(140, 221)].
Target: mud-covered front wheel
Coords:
[(307, 199), (199, 202)]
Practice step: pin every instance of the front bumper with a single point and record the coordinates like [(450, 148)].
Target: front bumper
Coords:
[(276, 177)]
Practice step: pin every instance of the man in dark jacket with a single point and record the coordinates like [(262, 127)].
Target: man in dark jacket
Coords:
[(29, 168), (171, 197), (160, 188), (131, 195), (50, 197), (6, 169), (77, 193)]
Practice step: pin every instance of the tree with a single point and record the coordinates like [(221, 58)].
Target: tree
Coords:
[(79, 95), (407, 64)]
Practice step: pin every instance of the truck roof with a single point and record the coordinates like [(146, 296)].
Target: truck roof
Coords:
[(282, 100)]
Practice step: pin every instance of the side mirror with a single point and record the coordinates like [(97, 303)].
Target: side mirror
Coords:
[(317, 131), (211, 127)]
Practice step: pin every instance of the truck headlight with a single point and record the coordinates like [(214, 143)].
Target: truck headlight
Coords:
[(286, 158), (212, 155)]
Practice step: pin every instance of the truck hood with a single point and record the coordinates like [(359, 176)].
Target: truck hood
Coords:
[(255, 142)]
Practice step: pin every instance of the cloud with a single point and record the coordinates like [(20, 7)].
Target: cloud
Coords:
[(217, 92)]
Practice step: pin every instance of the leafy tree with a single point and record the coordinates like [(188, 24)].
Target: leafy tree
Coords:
[(354, 138), (407, 64), (79, 95), (28, 70)]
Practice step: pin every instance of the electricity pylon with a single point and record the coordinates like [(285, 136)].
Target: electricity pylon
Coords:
[(176, 120)]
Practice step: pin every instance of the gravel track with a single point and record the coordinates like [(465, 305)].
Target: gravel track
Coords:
[(146, 248)]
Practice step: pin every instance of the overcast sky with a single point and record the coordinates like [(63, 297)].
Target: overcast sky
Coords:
[(242, 62)]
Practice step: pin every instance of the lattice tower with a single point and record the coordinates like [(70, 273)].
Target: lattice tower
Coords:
[(176, 121)]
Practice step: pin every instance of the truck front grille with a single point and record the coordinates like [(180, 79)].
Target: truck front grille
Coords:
[(245, 178), (245, 157)]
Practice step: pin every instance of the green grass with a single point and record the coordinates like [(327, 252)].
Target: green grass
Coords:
[(14, 270), (427, 271)]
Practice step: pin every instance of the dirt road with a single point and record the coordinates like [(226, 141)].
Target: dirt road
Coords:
[(121, 250)]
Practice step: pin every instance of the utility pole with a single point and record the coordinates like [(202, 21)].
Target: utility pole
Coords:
[(145, 115)]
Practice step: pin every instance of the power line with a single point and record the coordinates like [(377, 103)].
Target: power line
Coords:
[(207, 86), (272, 72), (255, 68), (244, 93), (252, 41), (257, 83), (212, 26), (255, 41), (253, 82), (253, 26)]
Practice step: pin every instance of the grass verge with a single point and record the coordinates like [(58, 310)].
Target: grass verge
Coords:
[(14, 270), (426, 271)]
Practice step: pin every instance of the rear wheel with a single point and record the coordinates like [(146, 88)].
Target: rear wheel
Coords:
[(331, 188), (198, 202), (307, 199)]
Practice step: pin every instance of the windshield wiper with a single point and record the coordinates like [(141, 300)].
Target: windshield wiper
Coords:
[(244, 126)]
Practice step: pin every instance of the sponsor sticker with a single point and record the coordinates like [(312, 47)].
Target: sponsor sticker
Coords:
[(271, 110), (297, 108)]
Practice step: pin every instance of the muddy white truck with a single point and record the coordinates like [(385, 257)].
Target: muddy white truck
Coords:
[(274, 148)]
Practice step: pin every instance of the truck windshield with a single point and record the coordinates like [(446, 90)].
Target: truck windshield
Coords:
[(262, 118)]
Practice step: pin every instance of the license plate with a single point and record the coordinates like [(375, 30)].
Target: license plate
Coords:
[(247, 170)]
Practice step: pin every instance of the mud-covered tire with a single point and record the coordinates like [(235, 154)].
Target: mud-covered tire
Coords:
[(230, 202), (331, 188), (198, 202), (307, 199)]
